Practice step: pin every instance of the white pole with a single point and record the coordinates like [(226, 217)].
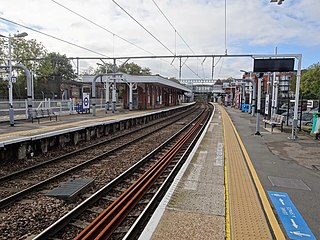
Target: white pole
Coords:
[(258, 108), (11, 111), (114, 100), (130, 96), (296, 100), (250, 97), (273, 93), (276, 96), (107, 86)]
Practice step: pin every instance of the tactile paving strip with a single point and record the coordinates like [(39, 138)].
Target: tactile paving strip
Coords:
[(247, 219)]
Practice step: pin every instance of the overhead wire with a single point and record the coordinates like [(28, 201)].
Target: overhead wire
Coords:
[(109, 31), (157, 39), (48, 35), (176, 32)]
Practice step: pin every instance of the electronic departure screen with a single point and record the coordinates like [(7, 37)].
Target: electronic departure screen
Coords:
[(273, 65)]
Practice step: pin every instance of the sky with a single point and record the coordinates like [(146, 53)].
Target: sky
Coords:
[(101, 28)]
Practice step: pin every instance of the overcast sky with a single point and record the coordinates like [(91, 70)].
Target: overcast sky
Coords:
[(253, 27)]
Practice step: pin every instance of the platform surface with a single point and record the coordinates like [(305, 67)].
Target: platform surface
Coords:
[(195, 207), (199, 206)]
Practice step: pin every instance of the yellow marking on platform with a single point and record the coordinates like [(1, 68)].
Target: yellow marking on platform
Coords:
[(263, 197), (245, 214), (64, 125), (226, 187)]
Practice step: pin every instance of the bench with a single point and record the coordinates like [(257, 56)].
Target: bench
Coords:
[(42, 113), (275, 120)]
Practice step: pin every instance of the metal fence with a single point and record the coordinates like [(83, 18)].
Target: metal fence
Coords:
[(59, 107)]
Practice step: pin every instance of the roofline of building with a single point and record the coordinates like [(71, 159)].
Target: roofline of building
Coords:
[(127, 78)]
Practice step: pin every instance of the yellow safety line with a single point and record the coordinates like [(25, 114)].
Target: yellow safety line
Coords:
[(263, 197), (227, 210)]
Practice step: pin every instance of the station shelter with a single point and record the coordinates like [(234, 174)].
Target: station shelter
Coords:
[(141, 91)]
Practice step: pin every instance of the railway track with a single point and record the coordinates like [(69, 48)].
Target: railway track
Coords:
[(120, 209), (34, 212), (32, 178)]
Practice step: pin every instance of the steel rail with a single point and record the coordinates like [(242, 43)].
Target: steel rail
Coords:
[(28, 169), (52, 230), (103, 226), (143, 218), (14, 197)]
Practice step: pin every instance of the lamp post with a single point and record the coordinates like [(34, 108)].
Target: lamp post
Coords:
[(10, 86)]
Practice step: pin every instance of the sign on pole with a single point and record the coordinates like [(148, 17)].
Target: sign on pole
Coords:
[(266, 105), (85, 101)]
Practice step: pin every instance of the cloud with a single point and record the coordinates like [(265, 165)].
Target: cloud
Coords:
[(252, 27)]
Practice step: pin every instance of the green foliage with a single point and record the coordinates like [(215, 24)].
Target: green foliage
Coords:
[(129, 68), (105, 68), (310, 81), (134, 69)]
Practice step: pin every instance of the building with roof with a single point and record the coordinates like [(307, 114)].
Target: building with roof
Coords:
[(140, 91)]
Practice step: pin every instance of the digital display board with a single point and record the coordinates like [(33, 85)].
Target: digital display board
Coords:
[(273, 65)]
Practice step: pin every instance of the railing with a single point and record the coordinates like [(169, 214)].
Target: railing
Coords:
[(58, 106)]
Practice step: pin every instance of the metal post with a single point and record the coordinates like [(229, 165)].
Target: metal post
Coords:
[(273, 93), (107, 86), (10, 86), (114, 96), (180, 69), (212, 72), (253, 96), (250, 97), (258, 108), (130, 95), (29, 85), (32, 86), (114, 100), (296, 101), (243, 94), (276, 88), (93, 94)]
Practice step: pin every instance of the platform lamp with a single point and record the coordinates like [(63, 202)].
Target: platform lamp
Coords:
[(10, 86)]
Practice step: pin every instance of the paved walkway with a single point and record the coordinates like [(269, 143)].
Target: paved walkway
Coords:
[(284, 165), (194, 207), (197, 206)]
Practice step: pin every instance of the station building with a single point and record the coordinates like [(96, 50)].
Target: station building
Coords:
[(141, 91)]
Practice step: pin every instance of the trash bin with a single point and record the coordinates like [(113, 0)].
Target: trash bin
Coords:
[(316, 125)]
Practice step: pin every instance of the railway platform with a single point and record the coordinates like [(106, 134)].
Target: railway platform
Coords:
[(223, 190), (222, 193)]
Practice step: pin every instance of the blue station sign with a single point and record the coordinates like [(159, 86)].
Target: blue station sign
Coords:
[(294, 224)]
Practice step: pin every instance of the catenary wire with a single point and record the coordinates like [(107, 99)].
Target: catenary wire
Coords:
[(107, 30), (143, 27), (152, 35), (48, 35)]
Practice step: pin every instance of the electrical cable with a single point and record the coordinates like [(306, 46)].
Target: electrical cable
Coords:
[(98, 25), (173, 26), (143, 27), (48, 35), (176, 32), (107, 30)]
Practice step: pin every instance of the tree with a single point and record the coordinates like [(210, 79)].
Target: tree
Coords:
[(310, 81), (129, 68), (53, 69), (25, 52), (105, 68), (134, 69)]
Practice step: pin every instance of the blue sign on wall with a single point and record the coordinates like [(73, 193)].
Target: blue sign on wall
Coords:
[(290, 217)]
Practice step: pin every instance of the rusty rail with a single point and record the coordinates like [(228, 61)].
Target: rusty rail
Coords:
[(104, 225)]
